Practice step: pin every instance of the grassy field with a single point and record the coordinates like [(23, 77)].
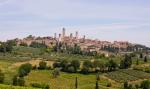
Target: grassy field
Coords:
[(67, 81), (15, 87)]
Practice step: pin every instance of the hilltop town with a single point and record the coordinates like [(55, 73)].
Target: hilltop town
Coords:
[(84, 43)]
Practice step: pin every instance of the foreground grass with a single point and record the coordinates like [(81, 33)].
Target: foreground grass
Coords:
[(67, 81), (14, 87)]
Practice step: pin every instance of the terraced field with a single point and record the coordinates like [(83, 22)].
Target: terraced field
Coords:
[(128, 75)]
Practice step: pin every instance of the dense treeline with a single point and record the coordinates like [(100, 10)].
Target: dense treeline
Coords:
[(88, 66), (136, 48), (38, 45), (7, 46)]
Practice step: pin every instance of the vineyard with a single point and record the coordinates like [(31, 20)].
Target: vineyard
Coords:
[(127, 75), (14, 87)]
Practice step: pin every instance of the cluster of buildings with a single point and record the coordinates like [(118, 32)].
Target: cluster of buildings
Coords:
[(83, 42)]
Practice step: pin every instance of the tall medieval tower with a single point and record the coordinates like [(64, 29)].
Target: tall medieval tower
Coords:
[(63, 32)]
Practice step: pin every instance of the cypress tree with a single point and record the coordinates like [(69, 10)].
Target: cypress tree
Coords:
[(96, 87), (145, 59), (76, 83)]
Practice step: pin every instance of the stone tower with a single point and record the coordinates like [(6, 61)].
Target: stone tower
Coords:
[(76, 34), (63, 32), (55, 35)]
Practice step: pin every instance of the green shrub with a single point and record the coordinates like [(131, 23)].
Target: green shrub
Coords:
[(147, 70), (21, 81), (145, 84), (56, 73), (24, 69), (37, 85), (42, 65), (109, 84), (1, 77), (75, 64), (71, 69), (85, 70)]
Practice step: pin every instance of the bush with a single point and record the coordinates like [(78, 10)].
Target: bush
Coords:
[(56, 73), (20, 81), (75, 64), (109, 84), (56, 64), (37, 85), (85, 70), (38, 45), (64, 64), (147, 70), (88, 64), (34, 67), (42, 65), (23, 44), (1, 77), (71, 69), (15, 80), (24, 69), (145, 84)]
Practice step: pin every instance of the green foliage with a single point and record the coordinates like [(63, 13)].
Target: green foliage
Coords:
[(64, 64), (43, 86), (76, 83), (75, 64), (137, 62), (145, 59), (15, 80), (109, 84), (137, 86), (6, 46), (42, 65), (38, 45), (112, 65), (141, 55), (14, 87), (85, 70), (126, 62), (96, 86), (20, 81), (56, 72), (71, 69), (145, 84), (2, 76), (87, 64), (24, 69), (23, 44), (97, 76), (56, 65), (127, 86)]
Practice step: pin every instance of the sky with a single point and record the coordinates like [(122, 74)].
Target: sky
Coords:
[(121, 20)]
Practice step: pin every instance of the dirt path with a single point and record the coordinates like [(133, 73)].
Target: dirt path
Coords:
[(33, 62)]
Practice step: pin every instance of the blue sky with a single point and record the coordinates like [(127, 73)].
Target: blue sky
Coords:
[(127, 20)]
